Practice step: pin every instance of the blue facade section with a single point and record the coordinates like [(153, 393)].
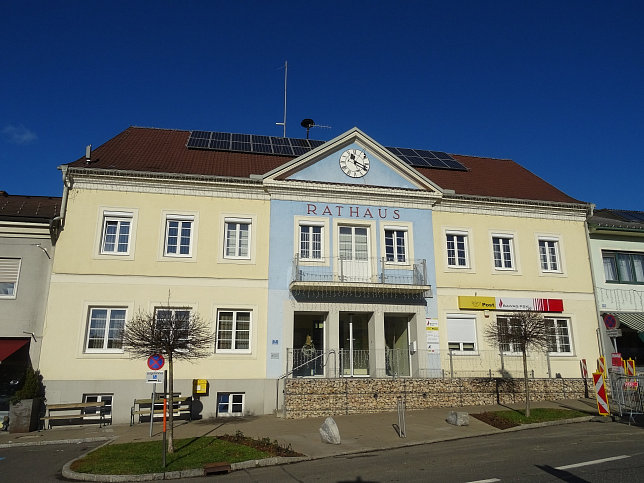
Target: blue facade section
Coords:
[(327, 170)]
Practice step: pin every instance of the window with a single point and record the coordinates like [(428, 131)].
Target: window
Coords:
[(233, 331), (508, 326), (104, 333), (622, 267), (558, 331), (230, 404), (116, 233), (237, 243), (457, 250), (549, 255), (461, 333), (503, 252), (178, 236), (9, 271), (173, 319), (95, 398), (396, 245), (310, 242)]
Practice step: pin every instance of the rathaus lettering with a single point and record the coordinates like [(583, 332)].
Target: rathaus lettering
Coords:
[(352, 211)]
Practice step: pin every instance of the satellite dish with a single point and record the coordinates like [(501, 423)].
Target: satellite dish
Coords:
[(308, 124)]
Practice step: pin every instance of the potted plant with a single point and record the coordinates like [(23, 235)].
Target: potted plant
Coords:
[(24, 411)]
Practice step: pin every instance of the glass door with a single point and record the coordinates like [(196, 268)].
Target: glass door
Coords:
[(354, 254), (354, 345)]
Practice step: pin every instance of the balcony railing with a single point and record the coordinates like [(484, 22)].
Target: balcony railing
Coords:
[(338, 271)]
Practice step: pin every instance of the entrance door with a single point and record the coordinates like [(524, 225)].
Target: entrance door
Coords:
[(354, 344), (354, 254), (397, 345), (308, 344)]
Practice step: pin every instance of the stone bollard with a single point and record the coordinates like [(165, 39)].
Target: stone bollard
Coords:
[(329, 431), (458, 418)]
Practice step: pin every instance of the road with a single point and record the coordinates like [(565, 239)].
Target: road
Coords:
[(41, 462), (582, 452)]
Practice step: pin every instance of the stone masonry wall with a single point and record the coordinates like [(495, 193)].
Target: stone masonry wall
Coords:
[(329, 397)]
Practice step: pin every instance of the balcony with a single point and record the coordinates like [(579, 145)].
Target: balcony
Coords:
[(368, 275)]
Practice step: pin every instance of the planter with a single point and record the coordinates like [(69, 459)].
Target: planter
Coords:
[(23, 416)]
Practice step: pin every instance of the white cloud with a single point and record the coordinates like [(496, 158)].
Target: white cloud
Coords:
[(19, 134)]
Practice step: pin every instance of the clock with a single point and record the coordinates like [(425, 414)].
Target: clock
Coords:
[(354, 163)]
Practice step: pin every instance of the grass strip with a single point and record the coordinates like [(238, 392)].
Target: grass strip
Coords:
[(147, 457)]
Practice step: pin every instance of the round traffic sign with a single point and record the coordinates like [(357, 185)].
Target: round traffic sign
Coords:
[(610, 321), (155, 362)]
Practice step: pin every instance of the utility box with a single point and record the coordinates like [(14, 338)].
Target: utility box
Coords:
[(200, 387)]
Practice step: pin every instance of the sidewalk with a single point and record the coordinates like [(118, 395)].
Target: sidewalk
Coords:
[(359, 432)]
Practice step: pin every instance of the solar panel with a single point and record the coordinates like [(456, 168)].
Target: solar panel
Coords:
[(253, 143), (634, 216)]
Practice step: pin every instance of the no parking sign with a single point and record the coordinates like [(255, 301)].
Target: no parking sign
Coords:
[(155, 362)]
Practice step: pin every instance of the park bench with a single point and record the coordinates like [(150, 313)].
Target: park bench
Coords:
[(76, 413), (182, 406)]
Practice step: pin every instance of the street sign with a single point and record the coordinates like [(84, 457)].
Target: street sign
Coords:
[(154, 377), (600, 394), (616, 360), (610, 321), (614, 332), (155, 362)]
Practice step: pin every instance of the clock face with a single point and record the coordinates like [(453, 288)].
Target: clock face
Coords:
[(354, 163)]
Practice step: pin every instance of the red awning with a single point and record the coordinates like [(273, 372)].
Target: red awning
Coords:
[(9, 346)]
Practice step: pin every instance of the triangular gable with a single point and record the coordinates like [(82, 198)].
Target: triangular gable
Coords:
[(322, 165)]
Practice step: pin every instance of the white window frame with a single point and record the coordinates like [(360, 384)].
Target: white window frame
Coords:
[(559, 336), (232, 403), (508, 248), (234, 332), (466, 237), (405, 240), (547, 256), (10, 275), (237, 248), (119, 217), (106, 330), (309, 226), (180, 220), (455, 331), (98, 397), (634, 277)]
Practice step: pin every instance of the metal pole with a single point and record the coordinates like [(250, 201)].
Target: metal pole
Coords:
[(154, 392), (451, 365), (165, 403)]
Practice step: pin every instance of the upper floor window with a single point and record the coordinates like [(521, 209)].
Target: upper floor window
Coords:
[(396, 245), (549, 255), (558, 331), (178, 236), (503, 252), (237, 242), (623, 267), (311, 242), (105, 329), (457, 250), (116, 233), (9, 272), (233, 331)]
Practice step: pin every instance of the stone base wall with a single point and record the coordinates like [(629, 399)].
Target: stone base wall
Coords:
[(330, 397)]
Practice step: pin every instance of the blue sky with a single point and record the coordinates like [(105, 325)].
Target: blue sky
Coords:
[(556, 86)]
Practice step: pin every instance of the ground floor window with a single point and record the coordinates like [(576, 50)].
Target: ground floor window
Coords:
[(461, 333), (230, 404), (558, 331), (95, 398)]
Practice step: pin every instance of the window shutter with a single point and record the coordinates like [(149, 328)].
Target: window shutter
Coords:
[(9, 269)]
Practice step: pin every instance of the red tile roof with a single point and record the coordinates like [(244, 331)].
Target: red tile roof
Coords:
[(28, 208), (164, 151)]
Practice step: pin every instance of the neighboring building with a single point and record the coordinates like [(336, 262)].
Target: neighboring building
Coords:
[(312, 259), (617, 248), (26, 252)]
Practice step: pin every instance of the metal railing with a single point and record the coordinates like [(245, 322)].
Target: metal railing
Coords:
[(368, 270), (493, 363), (627, 394)]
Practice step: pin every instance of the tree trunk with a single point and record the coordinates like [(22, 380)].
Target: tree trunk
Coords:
[(527, 384), (170, 429)]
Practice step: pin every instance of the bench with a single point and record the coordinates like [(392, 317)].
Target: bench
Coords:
[(86, 411), (182, 406)]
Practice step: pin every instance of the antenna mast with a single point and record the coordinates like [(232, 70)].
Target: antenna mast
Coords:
[(285, 79)]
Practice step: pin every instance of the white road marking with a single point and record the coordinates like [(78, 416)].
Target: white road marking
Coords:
[(492, 480), (593, 462)]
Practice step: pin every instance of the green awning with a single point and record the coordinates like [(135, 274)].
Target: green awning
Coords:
[(634, 320)]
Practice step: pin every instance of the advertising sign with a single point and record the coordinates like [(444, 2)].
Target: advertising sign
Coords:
[(510, 303), (432, 334)]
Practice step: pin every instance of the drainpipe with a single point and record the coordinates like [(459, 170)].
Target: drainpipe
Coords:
[(600, 338), (58, 223)]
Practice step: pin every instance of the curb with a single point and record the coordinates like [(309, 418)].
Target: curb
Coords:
[(60, 441), (280, 460)]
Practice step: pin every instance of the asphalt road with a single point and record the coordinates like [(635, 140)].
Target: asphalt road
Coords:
[(582, 452), (39, 463)]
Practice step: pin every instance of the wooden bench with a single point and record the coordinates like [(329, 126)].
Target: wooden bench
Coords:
[(86, 411), (182, 405)]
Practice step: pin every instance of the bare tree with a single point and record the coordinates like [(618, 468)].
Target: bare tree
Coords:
[(177, 334), (526, 331)]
